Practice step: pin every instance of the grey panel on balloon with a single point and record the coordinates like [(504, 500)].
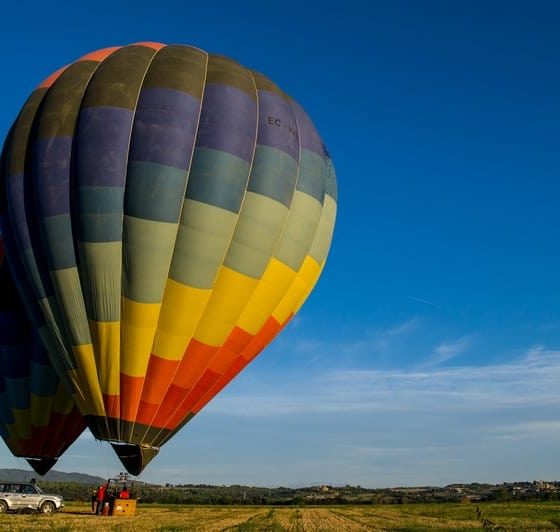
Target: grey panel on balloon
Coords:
[(300, 230), (103, 296), (202, 241), (260, 224), (321, 243), (144, 280), (72, 304)]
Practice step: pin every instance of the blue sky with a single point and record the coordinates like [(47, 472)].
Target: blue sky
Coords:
[(429, 352)]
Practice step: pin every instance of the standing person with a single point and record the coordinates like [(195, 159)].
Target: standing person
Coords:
[(100, 498), (93, 499), (124, 493)]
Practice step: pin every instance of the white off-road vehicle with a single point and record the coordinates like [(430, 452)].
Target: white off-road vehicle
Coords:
[(21, 496)]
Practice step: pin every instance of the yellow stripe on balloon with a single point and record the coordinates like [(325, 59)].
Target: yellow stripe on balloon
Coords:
[(106, 339), (275, 282), (87, 369), (180, 313), (229, 297), (138, 325), (306, 276)]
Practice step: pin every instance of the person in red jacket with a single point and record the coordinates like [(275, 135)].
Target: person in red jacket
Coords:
[(100, 498), (124, 493)]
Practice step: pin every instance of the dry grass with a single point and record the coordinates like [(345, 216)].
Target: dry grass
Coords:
[(417, 517)]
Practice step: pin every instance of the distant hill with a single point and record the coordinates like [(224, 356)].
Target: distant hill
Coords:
[(22, 475)]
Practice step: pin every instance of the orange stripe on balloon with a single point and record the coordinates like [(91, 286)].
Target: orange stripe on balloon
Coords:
[(175, 395), (194, 362), (146, 412), (238, 365), (219, 365), (201, 367), (46, 83), (207, 379), (208, 369), (159, 374), (224, 367), (238, 340), (267, 333), (112, 405), (131, 399), (99, 55), (149, 44)]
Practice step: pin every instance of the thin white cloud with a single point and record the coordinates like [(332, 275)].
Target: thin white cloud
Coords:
[(425, 301), (531, 380), (372, 342), (448, 350), (401, 328)]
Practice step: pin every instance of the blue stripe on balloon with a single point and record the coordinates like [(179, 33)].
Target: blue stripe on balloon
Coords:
[(227, 121), (308, 137), (102, 140), (277, 124), (164, 128), (51, 175)]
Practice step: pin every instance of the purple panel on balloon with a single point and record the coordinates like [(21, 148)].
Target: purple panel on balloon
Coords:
[(164, 127), (51, 175), (16, 204), (102, 140), (308, 136), (277, 124), (228, 121)]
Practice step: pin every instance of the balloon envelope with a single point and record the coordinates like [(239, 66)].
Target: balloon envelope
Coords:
[(38, 419), (172, 211)]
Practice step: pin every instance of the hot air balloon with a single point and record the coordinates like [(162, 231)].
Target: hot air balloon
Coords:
[(172, 211), (38, 418)]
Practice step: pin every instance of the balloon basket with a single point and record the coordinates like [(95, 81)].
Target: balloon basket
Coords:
[(126, 507)]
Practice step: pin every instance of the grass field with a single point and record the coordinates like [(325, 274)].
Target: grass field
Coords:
[(413, 517)]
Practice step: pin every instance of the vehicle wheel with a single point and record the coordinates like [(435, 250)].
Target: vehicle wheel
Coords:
[(3, 507), (47, 507)]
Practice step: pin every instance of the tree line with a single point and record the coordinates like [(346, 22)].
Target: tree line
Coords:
[(190, 494)]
